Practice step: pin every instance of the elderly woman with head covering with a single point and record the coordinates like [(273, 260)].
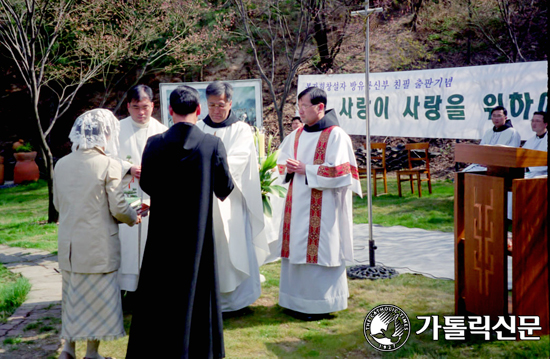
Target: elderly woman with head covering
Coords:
[(88, 195)]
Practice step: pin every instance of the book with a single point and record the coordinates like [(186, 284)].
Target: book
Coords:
[(134, 202), (141, 206)]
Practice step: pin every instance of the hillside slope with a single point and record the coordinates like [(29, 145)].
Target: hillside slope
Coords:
[(442, 39)]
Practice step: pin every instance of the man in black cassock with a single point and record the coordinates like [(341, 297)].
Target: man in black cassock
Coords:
[(178, 313)]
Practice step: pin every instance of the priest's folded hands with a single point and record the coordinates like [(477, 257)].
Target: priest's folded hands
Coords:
[(295, 166)]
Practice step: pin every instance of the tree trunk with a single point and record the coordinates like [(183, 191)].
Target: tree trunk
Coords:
[(53, 215), (280, 120), (417, 4), (320, 34), (321, 38), (47, 158)]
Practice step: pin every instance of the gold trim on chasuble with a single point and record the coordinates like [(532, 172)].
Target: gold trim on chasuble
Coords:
[(338, 171), (288, 205), (315, 205)]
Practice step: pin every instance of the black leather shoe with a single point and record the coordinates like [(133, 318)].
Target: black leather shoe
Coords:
[(308, 317), (237, 313)]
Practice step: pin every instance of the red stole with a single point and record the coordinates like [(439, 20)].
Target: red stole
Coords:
[(315, 205)]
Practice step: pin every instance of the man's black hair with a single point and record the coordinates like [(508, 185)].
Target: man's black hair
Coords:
[(184, 100), (500, 108), (140, 92), (316, 95), (543, 114), (296, 118)]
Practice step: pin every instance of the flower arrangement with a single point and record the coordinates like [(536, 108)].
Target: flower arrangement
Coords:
[(266, 167)]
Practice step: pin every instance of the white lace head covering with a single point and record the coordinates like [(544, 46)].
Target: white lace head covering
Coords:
[(96, 128)]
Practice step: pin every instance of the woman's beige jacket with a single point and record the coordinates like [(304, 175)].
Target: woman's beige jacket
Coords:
[(89, 197)]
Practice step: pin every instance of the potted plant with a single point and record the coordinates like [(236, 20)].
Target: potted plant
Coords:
[(25, 168)]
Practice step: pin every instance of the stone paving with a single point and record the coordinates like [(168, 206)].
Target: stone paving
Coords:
[(44, 299)]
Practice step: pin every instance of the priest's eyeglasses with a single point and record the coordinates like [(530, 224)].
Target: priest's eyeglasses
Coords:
[(217, 105), (303, 107)]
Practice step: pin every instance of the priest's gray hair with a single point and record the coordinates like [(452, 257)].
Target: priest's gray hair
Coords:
[(219, 88), (96, 128)]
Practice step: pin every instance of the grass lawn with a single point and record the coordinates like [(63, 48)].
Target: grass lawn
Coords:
[(267, 332), (432, 211), (23, 212), (23, 216), (13, 292)]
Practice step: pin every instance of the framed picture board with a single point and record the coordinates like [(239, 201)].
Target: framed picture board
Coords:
[(247, 100)]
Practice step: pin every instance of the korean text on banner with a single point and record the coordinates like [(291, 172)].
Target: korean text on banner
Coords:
[(438, 103)]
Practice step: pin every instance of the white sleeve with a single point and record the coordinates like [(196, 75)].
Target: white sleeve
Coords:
[(286, 151), (240, 152)]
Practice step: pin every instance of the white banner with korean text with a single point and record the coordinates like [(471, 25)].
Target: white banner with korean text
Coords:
[(438, 103)]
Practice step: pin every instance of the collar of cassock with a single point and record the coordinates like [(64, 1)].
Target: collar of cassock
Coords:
[(327, 121), (542, 136), (231, 119), (504, 127)]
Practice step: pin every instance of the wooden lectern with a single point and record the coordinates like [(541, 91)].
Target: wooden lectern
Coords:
[(481, 236)]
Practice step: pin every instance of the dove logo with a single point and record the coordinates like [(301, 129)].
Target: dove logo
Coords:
[(386, 327)]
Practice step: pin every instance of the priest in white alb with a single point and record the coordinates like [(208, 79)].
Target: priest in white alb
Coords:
[(539, 142), (241, 246), (502, 133), (134, 132), (317, 236)]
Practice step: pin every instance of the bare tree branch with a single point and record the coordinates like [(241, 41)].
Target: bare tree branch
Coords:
[(280, 42)]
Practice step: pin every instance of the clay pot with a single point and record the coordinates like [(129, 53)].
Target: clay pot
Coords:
[(1, 170), (25, 167)]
